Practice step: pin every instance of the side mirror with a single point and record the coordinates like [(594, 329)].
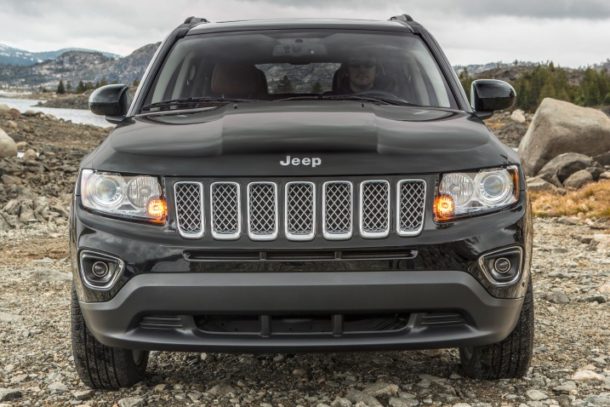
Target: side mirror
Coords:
[(488, 95), (111, 101)]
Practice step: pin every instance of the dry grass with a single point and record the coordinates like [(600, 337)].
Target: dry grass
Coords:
[(591, 201)]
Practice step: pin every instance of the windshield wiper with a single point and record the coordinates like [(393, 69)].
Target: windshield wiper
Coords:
[(364, 98), (193, 102)]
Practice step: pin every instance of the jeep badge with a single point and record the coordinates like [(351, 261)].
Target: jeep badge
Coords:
[(306, 161)]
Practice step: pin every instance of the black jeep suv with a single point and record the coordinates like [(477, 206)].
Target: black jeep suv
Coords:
[(300, 185)]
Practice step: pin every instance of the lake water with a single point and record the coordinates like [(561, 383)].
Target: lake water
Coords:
[(74, 115)]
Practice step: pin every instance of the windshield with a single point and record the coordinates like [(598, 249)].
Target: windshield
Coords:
[(291, 65)]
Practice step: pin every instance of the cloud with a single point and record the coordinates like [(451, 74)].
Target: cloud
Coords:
[(569, 32)]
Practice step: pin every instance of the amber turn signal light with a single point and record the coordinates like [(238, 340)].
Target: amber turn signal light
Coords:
[(444, 207), (157, 210)]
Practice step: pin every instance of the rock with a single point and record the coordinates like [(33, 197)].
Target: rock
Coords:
[(400, 402), (586, 375), (603, 159), (461, 405), (160, 388), (6, 317), (8, 148), (222, 389), (356, 396), (561, 127), (604, 175), (518, 116), (299, 372), (557, 170), (601, 400), (578, 180), (11, 124), (567, 387), (558, 297), (52, 275), (4, 108), (604, 288), (341, 402), (58, 387), (10, 394), (538, 184), (30, 155), (381, 389), (536, 395), (82, 394), (131, 402)]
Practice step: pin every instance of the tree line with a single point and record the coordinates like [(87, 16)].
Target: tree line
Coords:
[(547, 80), (81, 87)]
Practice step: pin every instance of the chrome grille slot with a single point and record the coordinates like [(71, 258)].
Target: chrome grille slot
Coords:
[(337, 210), (300, 214), (189, 209), (375, 208), (262, 211), (410, 207), (226, 211)]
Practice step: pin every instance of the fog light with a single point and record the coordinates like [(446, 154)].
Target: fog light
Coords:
[(502, 267), (99, 271)]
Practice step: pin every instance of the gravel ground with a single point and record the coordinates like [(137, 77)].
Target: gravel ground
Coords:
[(571, 363)]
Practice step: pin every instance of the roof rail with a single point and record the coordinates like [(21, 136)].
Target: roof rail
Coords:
[(405, 18), (195, 20)]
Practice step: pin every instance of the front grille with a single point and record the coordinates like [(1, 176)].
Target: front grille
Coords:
[(375, 209), (189, 208), (410, 207), (225, 207), (262, 211), (337, 210), (300, 210), (378, 206)]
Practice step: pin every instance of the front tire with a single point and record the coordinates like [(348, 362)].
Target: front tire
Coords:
[(509, 358), (100, 366)]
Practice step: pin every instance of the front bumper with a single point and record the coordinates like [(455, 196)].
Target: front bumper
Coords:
[(161, 284), (177, 302)]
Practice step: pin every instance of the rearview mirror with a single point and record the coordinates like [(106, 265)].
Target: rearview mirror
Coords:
[(489, 95), (111, 101)]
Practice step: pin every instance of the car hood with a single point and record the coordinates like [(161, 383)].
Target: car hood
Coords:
[(254, 139)]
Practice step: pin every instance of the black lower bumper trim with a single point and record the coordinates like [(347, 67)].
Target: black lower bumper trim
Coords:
[(184, 297)]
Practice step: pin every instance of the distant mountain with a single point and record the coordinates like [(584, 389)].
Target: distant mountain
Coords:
[(15, 56), (75, 66)]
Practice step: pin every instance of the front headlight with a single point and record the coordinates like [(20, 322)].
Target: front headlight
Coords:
[(136, 197), (468, 193)]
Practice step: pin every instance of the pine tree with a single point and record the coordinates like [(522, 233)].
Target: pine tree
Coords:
[(284, 85), (317, 88), (80, 88), (68, 87), (60, 88)]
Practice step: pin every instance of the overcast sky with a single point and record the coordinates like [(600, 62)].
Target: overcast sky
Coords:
[(568, 32)]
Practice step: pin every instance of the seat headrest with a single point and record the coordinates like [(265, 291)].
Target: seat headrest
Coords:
[(238, 81)]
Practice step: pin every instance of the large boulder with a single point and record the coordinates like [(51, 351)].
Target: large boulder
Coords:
[(578, 179), (561, 167), (561, 127), (8, 148)]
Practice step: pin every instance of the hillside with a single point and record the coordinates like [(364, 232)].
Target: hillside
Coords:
[(75, 66), (15, 56)]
